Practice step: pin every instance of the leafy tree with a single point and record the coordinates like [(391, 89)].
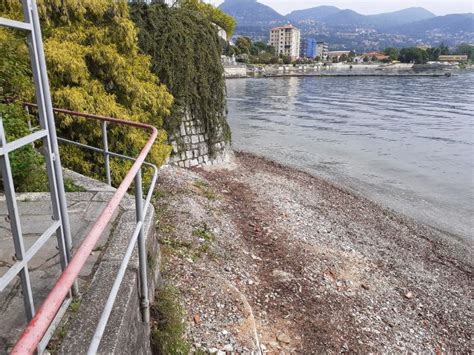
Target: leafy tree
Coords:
[(95, 66), (433, 53), (443, 49), (26, 162), (466, 49), (243, 45), (351, 56), (286, 59), (15, 87), (413, 55), (392, 52), (255, 53), (258, 48), (15, 76), (186, 54), (274, 60), (228, 50)]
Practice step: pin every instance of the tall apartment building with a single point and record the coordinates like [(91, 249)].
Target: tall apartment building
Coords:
[(308, 48), (286, 40), (322, 49)]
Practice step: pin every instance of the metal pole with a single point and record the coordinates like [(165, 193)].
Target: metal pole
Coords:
[(33, 18), (49, 157), (16, 226), (109, 305), (144, 302), (105, 144)]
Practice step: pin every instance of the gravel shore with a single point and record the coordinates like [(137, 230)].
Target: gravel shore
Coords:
[(267, 258)]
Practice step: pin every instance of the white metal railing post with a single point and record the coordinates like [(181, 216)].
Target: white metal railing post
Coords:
[(105, 145), (15, 224), (45, 109), (142, 257)]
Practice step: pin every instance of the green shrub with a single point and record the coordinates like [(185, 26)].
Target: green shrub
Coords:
[(26, 163)]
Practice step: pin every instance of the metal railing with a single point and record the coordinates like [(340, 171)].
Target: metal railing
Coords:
[(47, 134), (42, 321), (38, 326)]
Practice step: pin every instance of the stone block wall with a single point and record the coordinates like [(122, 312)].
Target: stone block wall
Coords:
[(191, 143)]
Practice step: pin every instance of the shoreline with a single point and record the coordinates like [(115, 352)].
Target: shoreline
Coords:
[(347, 188), (358, 189), (269, 257), (407, 70), (332, 75)]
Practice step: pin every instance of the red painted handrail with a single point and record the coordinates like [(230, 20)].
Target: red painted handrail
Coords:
[(37, 327)]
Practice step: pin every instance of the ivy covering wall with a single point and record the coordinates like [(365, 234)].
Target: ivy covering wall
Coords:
[(186, 54)]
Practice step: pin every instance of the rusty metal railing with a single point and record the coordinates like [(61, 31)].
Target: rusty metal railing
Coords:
[(40, 323)]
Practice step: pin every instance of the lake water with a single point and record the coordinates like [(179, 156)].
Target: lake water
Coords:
[(407, 143)]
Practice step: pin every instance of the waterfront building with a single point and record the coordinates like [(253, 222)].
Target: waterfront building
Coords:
[(286, 40), (453, 58), (379, 56), (322, 49), (308, 48), (337, 54)]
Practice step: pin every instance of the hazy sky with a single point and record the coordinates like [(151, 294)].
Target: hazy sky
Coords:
[(439, 7)]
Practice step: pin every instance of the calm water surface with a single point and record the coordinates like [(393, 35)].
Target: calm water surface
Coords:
[(407, 143)]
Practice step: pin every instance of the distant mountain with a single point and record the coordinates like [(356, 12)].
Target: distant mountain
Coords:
[(347, 29), (454, 24), (346, 18), (401, 17), (318, 13), (251, 12), (253, 18), (334, 16)]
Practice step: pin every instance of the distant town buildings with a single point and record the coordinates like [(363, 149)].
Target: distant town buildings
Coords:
[(322, 49), (308, 48), (286, 40), (423, 46)]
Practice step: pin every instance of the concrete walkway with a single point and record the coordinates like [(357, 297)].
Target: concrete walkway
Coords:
[(36, 217)]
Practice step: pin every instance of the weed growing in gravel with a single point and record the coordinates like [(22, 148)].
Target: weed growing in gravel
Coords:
[(205, 190), (167, 334), (204, 233), (160, 193), (75, 304), (206, 237)]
